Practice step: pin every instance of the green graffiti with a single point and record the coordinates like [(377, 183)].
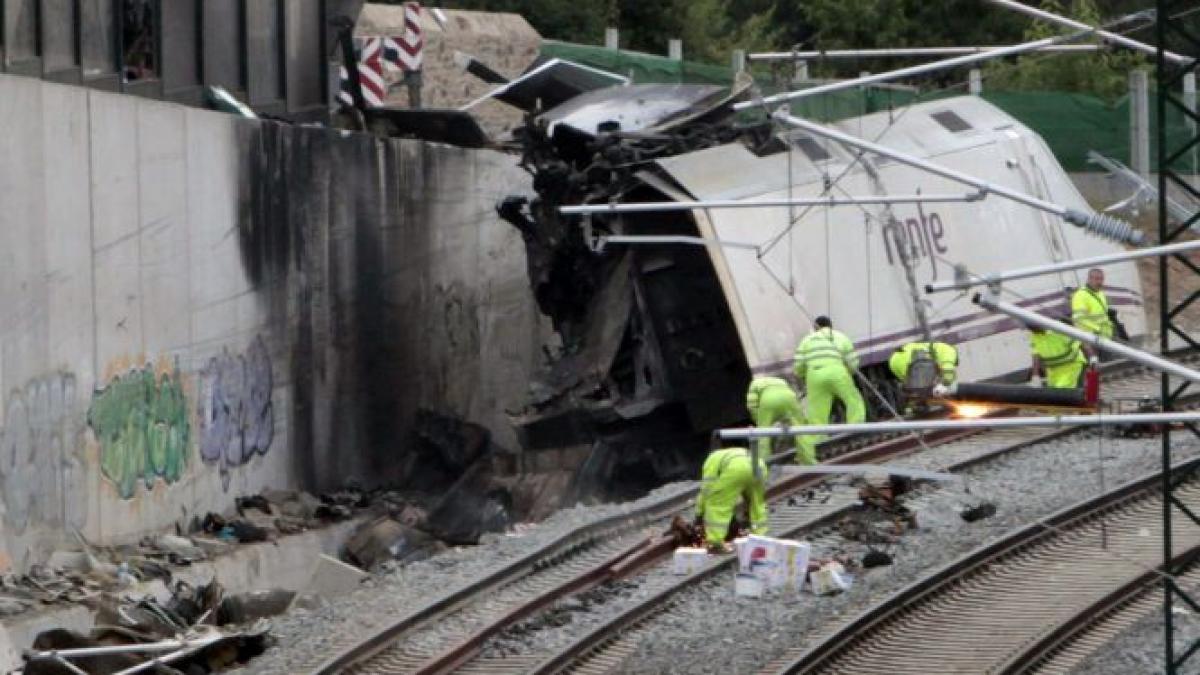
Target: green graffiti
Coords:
[(142, 425)]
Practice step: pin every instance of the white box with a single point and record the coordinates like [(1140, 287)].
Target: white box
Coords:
[(780, 563), (688, 560), (792, 566), (748, 586)]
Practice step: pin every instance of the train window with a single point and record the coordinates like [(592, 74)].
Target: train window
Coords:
[(812, 149), (951, 121)]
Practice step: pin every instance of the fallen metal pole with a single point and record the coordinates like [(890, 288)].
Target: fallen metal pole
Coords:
[(991, 301), (654, 207), (104, 650), (670, 239), (1115, 38), (954, 62), (902, 52), (747, 433), (873, 468), (1097, 223), (1038, 270)]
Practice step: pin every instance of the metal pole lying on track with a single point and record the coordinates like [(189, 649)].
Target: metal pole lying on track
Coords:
[(904, 52), (1023, 48), (601, 242), (747, 433), (654, 207), (1097, 223), (1038, 270), (991, 301), (1115, 38)]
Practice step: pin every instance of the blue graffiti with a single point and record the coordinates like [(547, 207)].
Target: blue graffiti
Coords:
[(237, 420)]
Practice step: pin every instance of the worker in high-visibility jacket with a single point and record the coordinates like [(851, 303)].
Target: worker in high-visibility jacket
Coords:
[(1057, 359), (825, 363), (770, 401), (1089, 306), (728, 477), (945, 357)]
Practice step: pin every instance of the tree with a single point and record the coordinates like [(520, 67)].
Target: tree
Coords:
[(1103, 74)]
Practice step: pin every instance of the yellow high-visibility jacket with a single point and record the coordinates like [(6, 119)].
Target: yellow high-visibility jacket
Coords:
[(1089, 311), (822, 347), (944, 355)]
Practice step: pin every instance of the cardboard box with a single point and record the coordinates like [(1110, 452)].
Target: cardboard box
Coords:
[(688, 560), (792, 568), (780, 563), (748, 586)]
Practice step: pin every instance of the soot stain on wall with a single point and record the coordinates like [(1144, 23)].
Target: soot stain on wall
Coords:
[(313, 209)]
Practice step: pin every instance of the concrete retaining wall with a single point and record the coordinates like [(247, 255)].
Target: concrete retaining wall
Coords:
[(194, 307)]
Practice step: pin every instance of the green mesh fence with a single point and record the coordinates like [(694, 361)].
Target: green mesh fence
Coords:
[(1071, 123)]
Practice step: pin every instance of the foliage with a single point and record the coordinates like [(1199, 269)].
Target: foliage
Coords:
[(1104, 74), (710, 29)]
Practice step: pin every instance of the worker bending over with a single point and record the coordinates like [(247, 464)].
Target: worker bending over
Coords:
[(825, 363), (1057, 359), (945, 357), (770, 401), (729, 476)]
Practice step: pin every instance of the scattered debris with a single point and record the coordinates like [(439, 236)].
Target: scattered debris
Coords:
[(876, 558), (979, 512), (388, 539), (183, 631), (332, 577), (831, 578)]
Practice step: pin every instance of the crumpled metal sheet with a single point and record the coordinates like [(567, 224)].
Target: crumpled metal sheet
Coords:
[(638, 107)]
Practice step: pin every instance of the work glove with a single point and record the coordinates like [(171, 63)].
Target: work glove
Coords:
[(1093, 361), (940, 390)]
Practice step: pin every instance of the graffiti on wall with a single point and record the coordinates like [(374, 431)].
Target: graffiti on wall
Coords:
[(41, 474), (235, 414), (141, 422)]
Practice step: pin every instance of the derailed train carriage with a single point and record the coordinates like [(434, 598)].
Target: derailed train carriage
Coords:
[(660, 340)]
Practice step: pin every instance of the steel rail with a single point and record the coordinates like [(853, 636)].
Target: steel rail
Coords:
[(932, 587), (635, 558), (567, 545), (846, 449), (610, 631)]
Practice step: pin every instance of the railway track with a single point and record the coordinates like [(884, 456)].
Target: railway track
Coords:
[(1012, 602), (450, 632)]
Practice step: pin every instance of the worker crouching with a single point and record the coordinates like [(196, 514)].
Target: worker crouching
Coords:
[(771, 401), (1057, 359), (729, 476), (944, 357)]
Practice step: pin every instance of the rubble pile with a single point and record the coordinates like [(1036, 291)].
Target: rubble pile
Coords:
[(195, 630)]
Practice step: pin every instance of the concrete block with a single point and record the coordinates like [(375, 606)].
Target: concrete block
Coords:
[(332, 577)]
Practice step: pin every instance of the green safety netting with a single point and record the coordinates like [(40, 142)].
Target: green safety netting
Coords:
[(1071, 123)]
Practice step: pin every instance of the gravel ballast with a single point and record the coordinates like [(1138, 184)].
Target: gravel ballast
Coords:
[(307, 636), (714, 631)]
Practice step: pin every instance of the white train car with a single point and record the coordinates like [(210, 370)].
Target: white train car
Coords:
[(840, 261)]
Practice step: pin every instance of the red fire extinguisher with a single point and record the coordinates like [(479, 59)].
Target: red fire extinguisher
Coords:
[(1091, 385)]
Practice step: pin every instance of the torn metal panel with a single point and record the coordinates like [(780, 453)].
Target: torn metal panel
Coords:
[(644, 107), (453, 127), (548, 83)]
